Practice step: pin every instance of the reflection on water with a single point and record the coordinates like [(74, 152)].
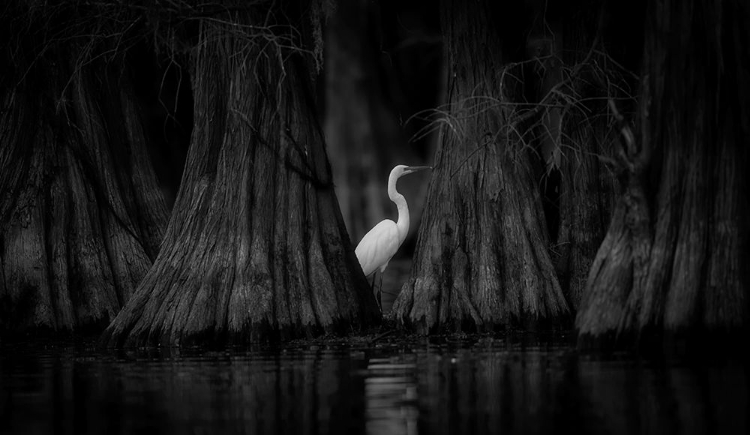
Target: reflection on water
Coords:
[(477, 387), (391, 396)]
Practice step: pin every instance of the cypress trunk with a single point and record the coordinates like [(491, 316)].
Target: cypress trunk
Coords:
[(256, 248), (481, 259), (588, 141), (586, 196), (673, 261), (81, 216)]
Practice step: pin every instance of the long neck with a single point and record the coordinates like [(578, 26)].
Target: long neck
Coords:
[(403, 210)]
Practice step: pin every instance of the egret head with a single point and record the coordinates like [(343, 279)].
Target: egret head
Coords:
[(404, 170), (396, 173)]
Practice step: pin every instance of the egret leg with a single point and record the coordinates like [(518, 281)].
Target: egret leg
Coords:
[(372, 284), (375, 289), (380, 293)]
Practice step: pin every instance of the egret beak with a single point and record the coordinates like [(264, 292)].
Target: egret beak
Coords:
[(412, 169)]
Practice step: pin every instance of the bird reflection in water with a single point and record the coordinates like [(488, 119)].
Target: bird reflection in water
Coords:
[(391, 397)]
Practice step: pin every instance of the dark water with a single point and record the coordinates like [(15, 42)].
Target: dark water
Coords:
[(476, 386)]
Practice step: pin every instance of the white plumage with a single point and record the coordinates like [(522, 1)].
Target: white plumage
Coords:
[(380, 244)]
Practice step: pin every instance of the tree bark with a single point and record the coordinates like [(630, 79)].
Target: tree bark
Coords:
[(672, 263), (587, 142), (256, 248), (481, 259), (586, 195), (81, 216)]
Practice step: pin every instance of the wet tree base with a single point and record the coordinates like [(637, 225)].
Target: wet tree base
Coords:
[(692, 346), (467, 325), (257, 334), (695, 344), (90, 332)]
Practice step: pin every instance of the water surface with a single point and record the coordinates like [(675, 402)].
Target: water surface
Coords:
[(434, 386)]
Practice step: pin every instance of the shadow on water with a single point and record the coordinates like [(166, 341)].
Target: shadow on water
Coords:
[(479, 386)]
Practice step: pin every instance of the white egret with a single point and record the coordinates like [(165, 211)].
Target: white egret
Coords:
[(379, 245)]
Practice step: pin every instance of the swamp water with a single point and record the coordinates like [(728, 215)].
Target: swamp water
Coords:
[(420, 385), (393, 386)]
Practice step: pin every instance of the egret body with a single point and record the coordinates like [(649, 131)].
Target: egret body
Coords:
[(380, 244)]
